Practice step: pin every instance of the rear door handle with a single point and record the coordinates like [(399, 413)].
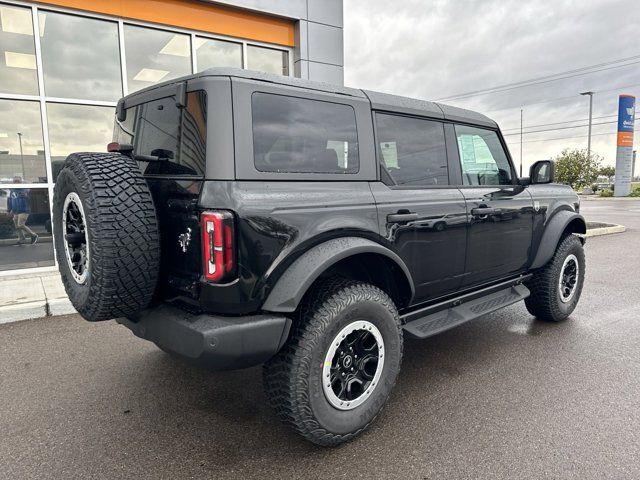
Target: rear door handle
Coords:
[(402, 217), (484, 211)]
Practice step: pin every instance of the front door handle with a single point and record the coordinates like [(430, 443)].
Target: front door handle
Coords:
[(484, 211), (402, 217)]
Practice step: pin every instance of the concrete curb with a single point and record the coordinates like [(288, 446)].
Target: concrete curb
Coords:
[(22, 311), (596, 232), (33, 310), (29, 297)]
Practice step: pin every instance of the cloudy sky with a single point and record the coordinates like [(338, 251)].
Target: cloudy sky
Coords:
[(433, 49)]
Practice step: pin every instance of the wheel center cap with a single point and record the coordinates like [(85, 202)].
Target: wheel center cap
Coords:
[(347, 361)]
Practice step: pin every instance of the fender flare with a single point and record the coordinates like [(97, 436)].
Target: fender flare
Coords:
[(296, 280), (552, 233)]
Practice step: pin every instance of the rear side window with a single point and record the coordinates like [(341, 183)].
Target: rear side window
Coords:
[(412, 150), (298, 135), (175, 135)]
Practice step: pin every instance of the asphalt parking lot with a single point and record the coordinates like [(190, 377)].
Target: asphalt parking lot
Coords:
[(505, 396)]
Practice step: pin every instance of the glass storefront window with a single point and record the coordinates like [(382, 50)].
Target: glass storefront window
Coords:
[(77, 128), (267, 60), (217, 53), (80, 57), (17, 51), (155, 55), (21, 145), (25, 228)]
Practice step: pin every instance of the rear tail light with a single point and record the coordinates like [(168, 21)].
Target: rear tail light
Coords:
[(218, 246)]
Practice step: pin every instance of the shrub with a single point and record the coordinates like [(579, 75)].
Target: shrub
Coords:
[(606, 193), (576, 168), (608, 171)]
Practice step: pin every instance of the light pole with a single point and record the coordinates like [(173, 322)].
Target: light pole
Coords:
[(521, 142), (24, 174), (590, 117)]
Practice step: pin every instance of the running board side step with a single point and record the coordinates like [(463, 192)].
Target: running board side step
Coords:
[(434, 323)]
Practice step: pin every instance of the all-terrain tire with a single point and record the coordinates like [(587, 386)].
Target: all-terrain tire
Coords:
[(121, 235), (545, 300), (293, 378)]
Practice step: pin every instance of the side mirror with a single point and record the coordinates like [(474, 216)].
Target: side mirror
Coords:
[(543, 171)]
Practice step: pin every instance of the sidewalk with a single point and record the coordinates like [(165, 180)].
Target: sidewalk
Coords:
[(599, 198), (33, 295)]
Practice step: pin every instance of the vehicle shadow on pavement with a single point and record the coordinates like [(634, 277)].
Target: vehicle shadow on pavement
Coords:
[(224, 416)]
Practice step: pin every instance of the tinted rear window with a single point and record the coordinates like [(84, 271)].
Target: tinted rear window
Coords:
[(161, 129), (298, 135)]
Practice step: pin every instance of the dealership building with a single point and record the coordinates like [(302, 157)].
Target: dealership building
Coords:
[(65, 63)]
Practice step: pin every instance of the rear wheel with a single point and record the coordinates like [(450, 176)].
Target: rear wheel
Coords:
[(106, 235), (337, 370), (556, 287)]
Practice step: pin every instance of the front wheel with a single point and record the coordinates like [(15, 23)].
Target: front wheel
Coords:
[(556, 287), (337, 370)]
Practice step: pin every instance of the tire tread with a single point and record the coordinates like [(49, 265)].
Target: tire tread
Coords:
[(123, 234), (285, 380), (543, 303)]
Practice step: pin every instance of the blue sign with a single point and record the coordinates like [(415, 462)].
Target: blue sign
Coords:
[(626, 112), (624, 152)]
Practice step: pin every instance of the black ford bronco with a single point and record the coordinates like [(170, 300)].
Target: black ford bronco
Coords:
[(242, 218)]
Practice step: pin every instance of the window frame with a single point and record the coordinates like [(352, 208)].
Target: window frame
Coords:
[(458, 162), (245, 168), (385, 177)]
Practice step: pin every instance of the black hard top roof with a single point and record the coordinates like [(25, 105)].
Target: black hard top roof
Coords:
[(379, 101)]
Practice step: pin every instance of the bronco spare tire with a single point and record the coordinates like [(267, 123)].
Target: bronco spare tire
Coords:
[(106, 235)]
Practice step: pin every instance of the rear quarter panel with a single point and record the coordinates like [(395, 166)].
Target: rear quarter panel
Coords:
[(275, 223)]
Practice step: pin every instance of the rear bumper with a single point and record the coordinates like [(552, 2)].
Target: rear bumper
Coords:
[(209, 341)]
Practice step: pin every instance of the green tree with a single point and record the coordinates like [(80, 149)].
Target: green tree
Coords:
[(576, 168), (607, 171)]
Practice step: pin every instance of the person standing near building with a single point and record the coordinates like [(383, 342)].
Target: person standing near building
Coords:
[(18, 206)]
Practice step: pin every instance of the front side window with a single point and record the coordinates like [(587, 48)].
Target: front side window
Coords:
[(175, 135), (412, 150), (483, 159), (298, 135)]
